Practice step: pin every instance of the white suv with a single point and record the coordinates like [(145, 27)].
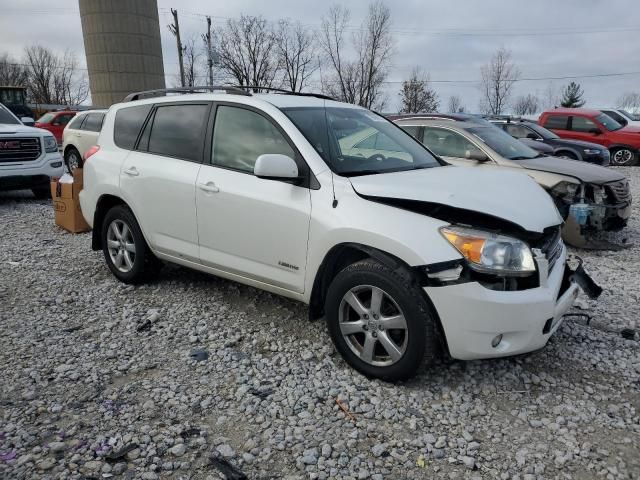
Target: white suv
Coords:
[(400, 253), (29, 156)]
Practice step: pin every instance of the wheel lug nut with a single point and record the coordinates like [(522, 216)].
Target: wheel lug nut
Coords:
[(366, 317), (365, 328), (374, 334)]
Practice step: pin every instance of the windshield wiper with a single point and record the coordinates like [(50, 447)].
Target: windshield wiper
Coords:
[(357, 173), (522, 157)]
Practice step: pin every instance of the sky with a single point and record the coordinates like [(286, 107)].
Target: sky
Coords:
[(448, 39)]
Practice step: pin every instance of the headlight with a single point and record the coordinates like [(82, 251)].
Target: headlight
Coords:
[(50, 144), (590, 151), (565, 189), (491, 253)]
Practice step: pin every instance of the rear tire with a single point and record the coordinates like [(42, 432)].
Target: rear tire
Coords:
[(72, 159), (387, 338), (125, 250), (41, 193), (623, 157)]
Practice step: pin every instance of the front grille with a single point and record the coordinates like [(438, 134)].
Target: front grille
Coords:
[(19, 149), (620, 190), (551, 245)]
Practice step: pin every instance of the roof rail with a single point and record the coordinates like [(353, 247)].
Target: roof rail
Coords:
[(285, 92), (163, 91)]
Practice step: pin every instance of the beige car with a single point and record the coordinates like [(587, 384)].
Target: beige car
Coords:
[(590, 198), (79, 135)]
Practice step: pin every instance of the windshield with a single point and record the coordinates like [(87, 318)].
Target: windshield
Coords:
[(607, 122), (503, 143), (543, 132), (46, 118), (7, 118), (354, 141)]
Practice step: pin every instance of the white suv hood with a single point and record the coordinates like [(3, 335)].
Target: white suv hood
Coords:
[(8, 129), (510, 196)]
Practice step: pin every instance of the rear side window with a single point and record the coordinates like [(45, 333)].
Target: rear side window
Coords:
[(177, 131), (128, 124), (240, 136), (518, 131), (557, 122), (76, 123), (93, 123)]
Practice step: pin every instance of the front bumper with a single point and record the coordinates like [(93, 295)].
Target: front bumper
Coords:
[(472, 315), (36, 173), (603, 159)]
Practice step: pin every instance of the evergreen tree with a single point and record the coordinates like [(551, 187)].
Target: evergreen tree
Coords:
[(572, 96)]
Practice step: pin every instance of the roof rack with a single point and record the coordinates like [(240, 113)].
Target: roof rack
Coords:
[(286, 92), (163, 91)]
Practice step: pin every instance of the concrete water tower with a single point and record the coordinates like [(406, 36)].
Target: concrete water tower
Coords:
[(122, 44)]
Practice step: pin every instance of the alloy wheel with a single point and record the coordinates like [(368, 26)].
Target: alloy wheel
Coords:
[(373, 325), (121, 246), (73, 160), (622, 157)]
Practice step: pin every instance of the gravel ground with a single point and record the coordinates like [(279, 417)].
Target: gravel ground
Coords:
[(99, 380)]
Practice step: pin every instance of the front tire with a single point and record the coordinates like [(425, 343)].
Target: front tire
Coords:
[(72, 160), (623, 157), (380, 321), (125, 250)]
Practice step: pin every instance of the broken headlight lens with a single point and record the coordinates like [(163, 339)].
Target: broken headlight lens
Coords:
[(565, 189), (488, 252)]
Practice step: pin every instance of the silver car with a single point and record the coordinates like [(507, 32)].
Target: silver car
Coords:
[(589, 197)]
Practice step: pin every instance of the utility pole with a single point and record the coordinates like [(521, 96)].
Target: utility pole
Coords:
[(209, 53), (175, 29)]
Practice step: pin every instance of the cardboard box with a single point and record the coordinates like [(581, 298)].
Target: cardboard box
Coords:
[(66, 203)]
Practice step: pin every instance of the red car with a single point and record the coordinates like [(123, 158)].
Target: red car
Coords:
[(55, 123), (597, 127)]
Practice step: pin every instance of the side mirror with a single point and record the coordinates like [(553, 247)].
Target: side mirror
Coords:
[(275, 166), (476, 155), (27, 121)]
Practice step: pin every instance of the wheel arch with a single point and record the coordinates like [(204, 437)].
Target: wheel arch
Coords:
[(339, 257), (70, 147), (561, 150), (104, 204), (617, 146)]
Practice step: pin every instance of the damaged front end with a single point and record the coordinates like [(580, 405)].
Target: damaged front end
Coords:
[(591, 208)]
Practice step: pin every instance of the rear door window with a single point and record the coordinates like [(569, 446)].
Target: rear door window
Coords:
[(412, 130), (518, 131), (127, 125), (93, 123), (447, 143), (556, 122), (76, 123), (177, 131)]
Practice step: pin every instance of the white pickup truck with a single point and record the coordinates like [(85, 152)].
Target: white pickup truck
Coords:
[(29, 156)]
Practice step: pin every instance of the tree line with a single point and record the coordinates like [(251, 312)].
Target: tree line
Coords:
[(349, 63)]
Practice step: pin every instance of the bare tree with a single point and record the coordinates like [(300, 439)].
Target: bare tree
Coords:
[(358, 80), (417, 95), (455, 104), (247, 51), (12, 73), (526, 104), (297, 58), (629, 101), (550, 96), (191, 56), (54, 79), (498, 77)]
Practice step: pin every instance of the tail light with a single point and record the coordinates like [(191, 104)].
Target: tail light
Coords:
[(90, 152)]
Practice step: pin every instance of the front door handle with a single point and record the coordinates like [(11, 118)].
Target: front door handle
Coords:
[(132, 172), (208, 187)]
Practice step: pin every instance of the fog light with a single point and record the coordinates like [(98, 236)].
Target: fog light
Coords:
[(496, 341), (56, 164)]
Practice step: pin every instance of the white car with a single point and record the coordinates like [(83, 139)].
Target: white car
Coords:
[(79, 135), (29, 156), (621, 116), (399, 253)]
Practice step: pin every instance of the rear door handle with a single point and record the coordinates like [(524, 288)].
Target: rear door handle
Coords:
[(132, 172), (208, 187)]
